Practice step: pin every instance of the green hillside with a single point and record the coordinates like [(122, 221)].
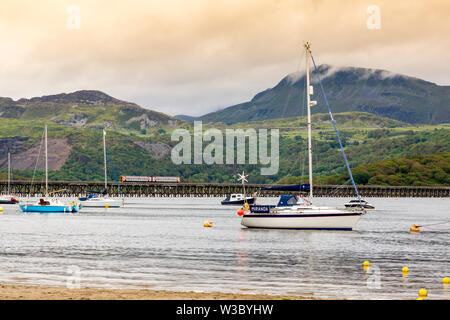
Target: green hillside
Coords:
[(86, 109), (422, 170), (367, 139)]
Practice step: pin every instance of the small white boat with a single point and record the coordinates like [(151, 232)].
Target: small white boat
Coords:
[(238, 199), (356, 204), (94, 200)]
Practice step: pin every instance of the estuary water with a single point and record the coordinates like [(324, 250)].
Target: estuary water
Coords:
[(161, 243)]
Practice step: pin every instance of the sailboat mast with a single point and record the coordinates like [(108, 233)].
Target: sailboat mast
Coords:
[(104, 158), (308, 101), (9, 172), (46, 164)]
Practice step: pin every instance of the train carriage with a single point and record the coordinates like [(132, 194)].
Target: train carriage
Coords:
[(148, 179)]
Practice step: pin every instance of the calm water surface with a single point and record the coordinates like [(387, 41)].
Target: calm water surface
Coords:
[(160, 243)]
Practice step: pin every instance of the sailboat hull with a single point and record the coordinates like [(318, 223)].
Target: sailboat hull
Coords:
[(8, 201), (48, 209), (329, 221), (101, 203)]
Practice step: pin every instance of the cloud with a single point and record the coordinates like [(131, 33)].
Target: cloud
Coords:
[(195, 56)]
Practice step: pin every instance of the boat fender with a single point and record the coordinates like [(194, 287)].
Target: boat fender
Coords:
[(247, 207)]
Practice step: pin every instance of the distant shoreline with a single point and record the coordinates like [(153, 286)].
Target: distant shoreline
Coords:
[(28, 292)]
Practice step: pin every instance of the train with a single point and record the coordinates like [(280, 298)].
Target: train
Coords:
[(148, 179)]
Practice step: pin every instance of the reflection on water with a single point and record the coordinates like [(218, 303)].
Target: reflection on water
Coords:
[(160, 243)]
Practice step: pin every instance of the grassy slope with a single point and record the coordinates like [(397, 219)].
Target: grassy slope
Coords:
[(425, 170), (368, 139)]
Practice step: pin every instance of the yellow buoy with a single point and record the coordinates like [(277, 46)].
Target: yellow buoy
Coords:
[(415, 228), (106, 205), (208, 224), (446, 280), (405, 269), (366, 263), (419, 298), (423, 293), (1, 209)]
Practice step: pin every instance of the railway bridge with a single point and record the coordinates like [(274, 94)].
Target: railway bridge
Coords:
[(140, 189)]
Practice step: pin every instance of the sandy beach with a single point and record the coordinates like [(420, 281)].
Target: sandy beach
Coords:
[(21, 292)]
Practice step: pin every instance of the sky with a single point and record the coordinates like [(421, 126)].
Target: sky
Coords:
[(197, 56)]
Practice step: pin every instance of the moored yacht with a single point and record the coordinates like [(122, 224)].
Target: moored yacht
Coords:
[(49, 204), (94, 200), (8, 198), (289, 213)]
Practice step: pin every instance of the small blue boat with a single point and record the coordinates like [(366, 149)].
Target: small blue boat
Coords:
[(50, 206)]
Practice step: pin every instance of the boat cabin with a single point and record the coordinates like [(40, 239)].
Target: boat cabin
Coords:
[(288, 200), (235, 197)]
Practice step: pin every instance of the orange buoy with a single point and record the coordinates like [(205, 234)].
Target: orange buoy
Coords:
[(208, 224), (240, 212), (415, 228)]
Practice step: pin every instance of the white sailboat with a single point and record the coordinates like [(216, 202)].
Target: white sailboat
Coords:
[(49, 204), (290, 212), (8, 198), (94, 200)]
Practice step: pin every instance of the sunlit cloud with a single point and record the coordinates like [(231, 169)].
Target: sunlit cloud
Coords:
[(195, 56)]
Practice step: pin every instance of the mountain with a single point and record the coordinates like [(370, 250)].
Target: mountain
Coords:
[(380, 92), (87, 109), (185, 117)]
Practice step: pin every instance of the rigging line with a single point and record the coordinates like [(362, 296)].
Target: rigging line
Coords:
[(434, 224), (339, 187), (337, 133), (14, 179), (283, 114), (114, 171), (438, 229), (37, 160), (303, 154)]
